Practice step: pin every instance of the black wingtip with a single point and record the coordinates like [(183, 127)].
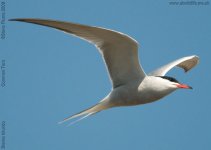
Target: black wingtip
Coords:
[(16, 19), (12, 19)]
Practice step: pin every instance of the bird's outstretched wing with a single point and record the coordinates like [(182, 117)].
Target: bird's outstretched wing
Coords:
[(120, 52), (185, 63)]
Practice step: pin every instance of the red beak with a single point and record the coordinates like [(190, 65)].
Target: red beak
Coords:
[(184, 86)]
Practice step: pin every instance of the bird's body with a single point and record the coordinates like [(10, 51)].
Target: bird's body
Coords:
[(139, 92), (131, 85)]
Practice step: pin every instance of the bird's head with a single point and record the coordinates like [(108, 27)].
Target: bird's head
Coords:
[(173, 83)]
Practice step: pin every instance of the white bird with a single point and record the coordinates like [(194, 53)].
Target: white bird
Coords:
[(131, 85)]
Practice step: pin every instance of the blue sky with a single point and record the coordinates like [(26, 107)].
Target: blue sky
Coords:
[(51, 75)]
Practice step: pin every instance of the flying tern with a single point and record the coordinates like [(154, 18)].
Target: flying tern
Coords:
[(130, 84)]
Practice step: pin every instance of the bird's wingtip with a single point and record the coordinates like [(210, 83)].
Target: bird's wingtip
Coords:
[(20, 19), (195, 56), (15, 19), (60, 122)]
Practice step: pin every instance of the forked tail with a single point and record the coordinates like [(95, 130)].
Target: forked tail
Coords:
[(85, 113)]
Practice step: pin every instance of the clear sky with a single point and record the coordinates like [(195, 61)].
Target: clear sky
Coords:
[(51, 75)]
